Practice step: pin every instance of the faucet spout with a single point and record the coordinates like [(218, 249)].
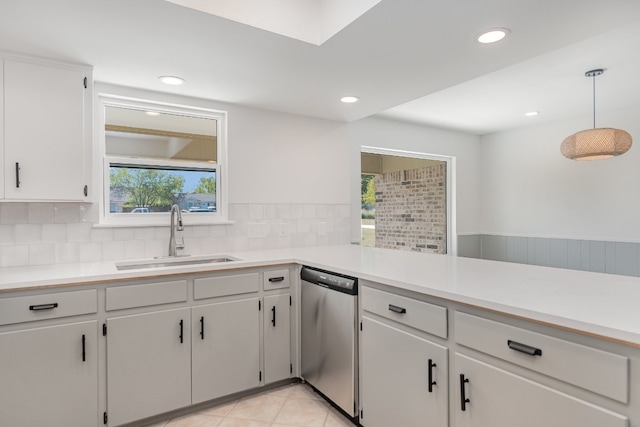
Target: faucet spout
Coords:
[(173, 246)]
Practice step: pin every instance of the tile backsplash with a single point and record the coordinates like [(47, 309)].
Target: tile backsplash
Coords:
[(59, 233)]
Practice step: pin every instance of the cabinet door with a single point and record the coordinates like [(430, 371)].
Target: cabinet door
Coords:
[(277, 338), (395, 374), (148, 364), (49, 376), (44, 132), (498, 398), (226, 348)]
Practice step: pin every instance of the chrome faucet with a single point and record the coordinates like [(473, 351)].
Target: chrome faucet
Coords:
[(173, 246)]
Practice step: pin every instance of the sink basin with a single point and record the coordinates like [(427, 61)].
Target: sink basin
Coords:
[(172, 262)]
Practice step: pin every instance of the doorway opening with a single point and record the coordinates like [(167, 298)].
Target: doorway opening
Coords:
[(406, 201)]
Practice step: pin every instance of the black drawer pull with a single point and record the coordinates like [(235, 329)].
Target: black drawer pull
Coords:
[(431, 381), (273, 315), (181, 331), (463, 398), (84, 354), (39, 307), (202, 328), (397, 309), (276, 279), (17, 175), (523, 348)]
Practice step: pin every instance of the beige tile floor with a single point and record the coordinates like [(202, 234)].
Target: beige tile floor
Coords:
[(294, 405)]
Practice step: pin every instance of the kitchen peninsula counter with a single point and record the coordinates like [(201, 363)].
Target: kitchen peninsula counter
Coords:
[(601, 305)]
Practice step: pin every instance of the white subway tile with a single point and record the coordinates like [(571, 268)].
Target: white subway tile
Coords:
[(344, 211), (41, 213), (88, 212), (333, 211), (123, 234), (67, 253), (156, 247), (283, 211), (304, 226), (101, 234), (42, 255), (218, 230), (66, 213), (211, 245), (310, 211), (238, 211), (144, 233), (13, 213), (28, 233), (256, 244), (112, 251), (192, 246), (270, 211), (199, 231), (15, 256), (79, 233), (297, 211), (90, 252), (54, 233), (256, 211), (134, 249), (322, 211), (7, 234)]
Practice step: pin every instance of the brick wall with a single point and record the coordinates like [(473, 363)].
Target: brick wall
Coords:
[(411, 209)]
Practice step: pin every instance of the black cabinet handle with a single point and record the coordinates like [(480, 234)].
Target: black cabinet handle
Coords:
[(463, 397), (39, 307), (431, 381), (273, 315), (523, 348), (202, 328), (181, 331), (17, 175), (276, 279), (84, 354), (397, 309)]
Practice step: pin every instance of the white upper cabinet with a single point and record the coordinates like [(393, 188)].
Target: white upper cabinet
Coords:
[(47, 131)]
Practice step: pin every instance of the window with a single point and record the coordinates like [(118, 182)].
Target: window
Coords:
[(157, 155)]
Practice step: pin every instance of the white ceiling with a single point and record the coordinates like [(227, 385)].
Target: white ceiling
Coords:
[(412, 60)]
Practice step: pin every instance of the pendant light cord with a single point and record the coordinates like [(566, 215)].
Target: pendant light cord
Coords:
[(594, 101)]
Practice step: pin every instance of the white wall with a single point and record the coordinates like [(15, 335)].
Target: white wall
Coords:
[(529, 189), (382, 133)]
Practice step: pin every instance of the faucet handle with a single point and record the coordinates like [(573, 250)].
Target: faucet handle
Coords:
[(180, 245)]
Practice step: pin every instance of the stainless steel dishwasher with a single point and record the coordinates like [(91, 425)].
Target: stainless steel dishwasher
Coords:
[(329, 336)]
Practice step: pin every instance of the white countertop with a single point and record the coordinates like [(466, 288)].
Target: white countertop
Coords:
[(598, 304)]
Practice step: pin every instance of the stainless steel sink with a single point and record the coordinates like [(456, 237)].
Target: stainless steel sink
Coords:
[(172, 262)]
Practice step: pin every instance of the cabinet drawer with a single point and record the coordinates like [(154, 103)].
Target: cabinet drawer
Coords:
[(592, 369), (211, 287), (421, 315), (47, 306), (132, 296), (276, 279)]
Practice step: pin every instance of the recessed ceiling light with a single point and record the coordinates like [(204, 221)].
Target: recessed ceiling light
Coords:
[(172, 80), (493, 35), (152, 113), (349, 99), (532, 113)]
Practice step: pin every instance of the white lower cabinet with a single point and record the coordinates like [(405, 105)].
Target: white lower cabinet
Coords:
[(404, 378), (489, 396), (277, 338), (148, 364), (226, 348), (49, 376)]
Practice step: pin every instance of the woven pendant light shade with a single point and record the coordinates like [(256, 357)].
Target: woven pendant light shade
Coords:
[(596, 144)]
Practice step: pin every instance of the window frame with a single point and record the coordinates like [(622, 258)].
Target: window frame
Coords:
[(106, 218)]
